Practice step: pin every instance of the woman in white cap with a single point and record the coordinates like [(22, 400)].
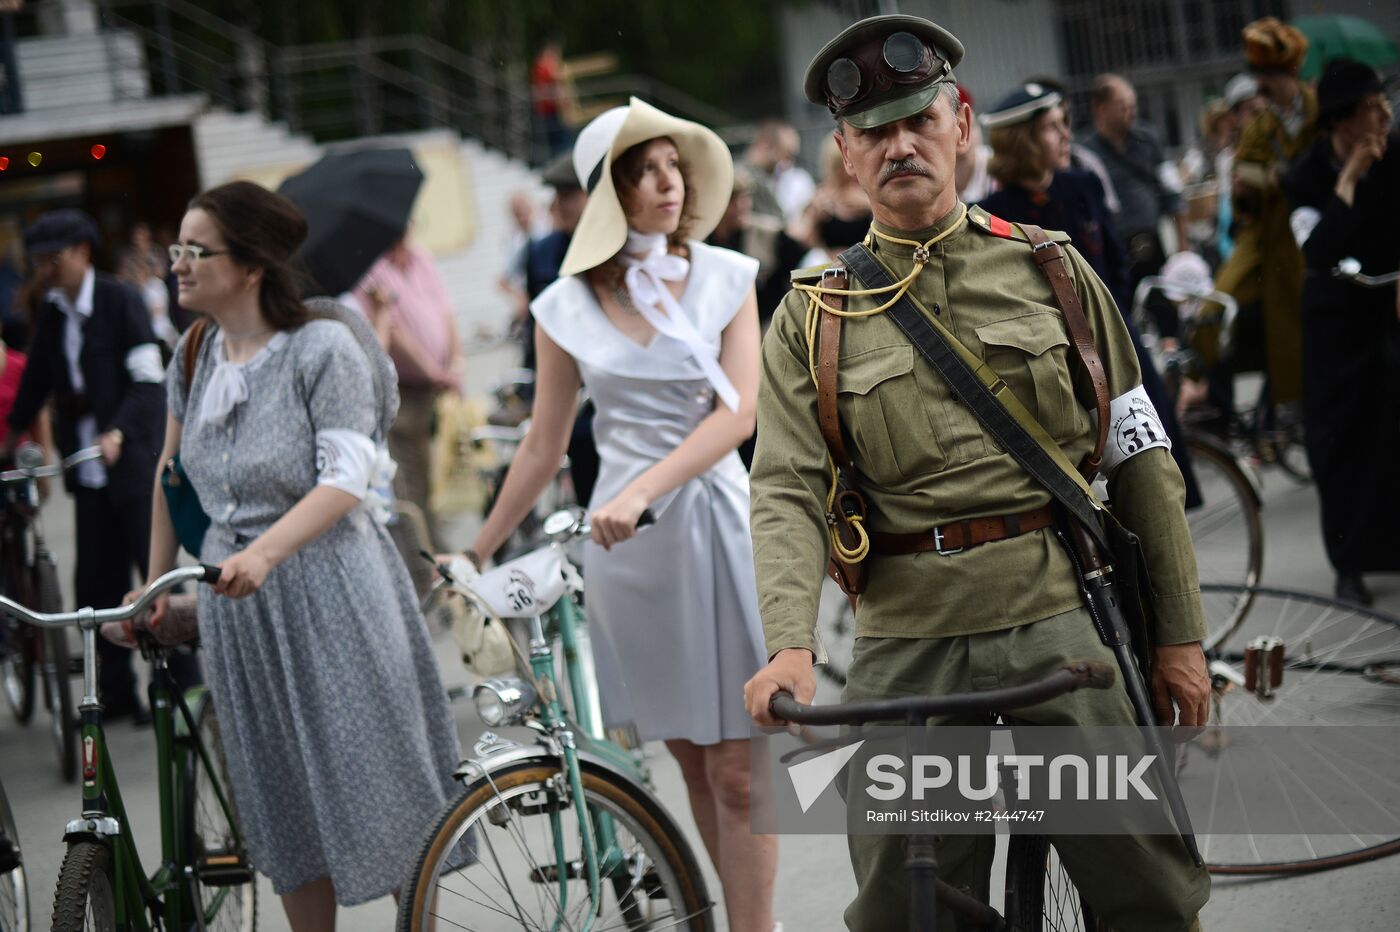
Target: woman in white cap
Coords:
[(663, 332)]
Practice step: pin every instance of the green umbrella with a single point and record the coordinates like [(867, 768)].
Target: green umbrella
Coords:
[(1336, 35)]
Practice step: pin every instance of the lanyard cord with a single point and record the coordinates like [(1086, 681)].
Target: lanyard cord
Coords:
[(816, 304)]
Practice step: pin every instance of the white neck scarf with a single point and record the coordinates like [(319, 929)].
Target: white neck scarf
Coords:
[(649, 267), (227, 388)]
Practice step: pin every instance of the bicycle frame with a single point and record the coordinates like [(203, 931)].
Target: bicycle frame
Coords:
[(575, 741), (167, 894)]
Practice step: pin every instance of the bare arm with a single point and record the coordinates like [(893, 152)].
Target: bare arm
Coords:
[(536, 463), (715, 437)]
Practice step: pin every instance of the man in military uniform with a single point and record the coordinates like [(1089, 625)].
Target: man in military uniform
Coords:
[(953, 603)]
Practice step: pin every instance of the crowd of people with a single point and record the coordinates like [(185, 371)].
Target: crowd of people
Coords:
[(662, 288)]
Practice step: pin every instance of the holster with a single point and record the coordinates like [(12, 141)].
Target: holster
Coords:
[(849, 503)]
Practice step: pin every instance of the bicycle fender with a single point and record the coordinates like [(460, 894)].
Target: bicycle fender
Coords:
[(495, 754)]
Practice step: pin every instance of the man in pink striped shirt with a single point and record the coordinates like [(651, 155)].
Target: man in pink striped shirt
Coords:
[(416, 316)]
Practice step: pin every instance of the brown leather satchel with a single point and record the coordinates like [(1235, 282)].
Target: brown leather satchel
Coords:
[(849, 503)]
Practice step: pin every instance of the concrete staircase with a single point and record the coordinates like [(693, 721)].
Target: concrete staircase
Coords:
[(228, 144)]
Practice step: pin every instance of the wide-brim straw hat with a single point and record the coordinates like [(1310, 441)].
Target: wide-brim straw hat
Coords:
[(602, 228)]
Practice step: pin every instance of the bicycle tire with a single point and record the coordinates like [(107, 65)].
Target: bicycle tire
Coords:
[(58, 682), (14, 886), (1341, 667), (1227, 530), (208, 833), (85, 899), (488, 803), (1039, 892), (18, 671)]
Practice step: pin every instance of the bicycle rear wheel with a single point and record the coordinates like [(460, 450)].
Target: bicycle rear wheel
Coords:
[(838, 632), (224, 888), (528, 869), (14, 888), (1226, 530), (18, 670), (86, 899), (1341, 667), (1039, 893)]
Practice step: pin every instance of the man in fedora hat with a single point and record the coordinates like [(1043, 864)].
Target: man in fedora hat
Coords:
[(967, 586)]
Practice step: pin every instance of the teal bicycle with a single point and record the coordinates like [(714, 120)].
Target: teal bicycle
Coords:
[(564, 832), (204, 880)]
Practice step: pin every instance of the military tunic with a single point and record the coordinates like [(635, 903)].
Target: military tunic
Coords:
[(923, 459)]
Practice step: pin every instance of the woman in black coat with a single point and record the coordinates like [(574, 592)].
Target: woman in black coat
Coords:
[(1344, 192)]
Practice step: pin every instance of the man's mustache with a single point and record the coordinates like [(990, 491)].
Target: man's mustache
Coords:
[(901, 167)]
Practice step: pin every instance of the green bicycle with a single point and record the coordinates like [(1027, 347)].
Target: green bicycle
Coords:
[(563, 833), (204, 880)]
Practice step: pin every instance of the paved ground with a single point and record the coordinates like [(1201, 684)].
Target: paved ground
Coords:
[(814, 878)]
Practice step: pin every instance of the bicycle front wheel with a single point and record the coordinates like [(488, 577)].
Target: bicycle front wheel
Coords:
[(529, 872), (14, 889), (86, 899), (1226, 530), (1039, 893)]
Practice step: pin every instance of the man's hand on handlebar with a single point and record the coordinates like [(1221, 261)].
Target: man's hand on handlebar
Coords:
[(790, 670)]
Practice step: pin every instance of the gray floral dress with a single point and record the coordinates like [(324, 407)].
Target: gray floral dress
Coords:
[(339, 740)]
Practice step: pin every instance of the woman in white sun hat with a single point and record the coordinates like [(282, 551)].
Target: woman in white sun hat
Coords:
[(663, 332)]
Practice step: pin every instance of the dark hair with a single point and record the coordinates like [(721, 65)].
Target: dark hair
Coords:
[(627, 171), (262, 230)]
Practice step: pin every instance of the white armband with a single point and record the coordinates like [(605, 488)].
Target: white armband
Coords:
[(144, 365), (1303, 221), (345, 459), (1133, 426)]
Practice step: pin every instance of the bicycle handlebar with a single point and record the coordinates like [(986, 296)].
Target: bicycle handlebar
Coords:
[(1085, 674), (23, 474), (183, 574), (1349, 270)]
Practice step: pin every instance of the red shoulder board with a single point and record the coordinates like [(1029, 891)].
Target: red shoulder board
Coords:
[(999, 226)]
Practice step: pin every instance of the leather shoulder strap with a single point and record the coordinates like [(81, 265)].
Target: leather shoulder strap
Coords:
[(193, 340), (1051, 259), (828, 360)]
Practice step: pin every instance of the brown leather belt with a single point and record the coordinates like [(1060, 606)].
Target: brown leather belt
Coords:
[(960, 535)]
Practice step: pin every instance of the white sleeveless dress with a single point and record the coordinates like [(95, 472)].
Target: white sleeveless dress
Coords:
[(673, 611)]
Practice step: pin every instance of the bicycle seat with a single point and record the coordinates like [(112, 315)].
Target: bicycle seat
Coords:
[(526, 586)]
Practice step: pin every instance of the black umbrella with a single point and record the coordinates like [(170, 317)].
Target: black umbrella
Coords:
[(357, 205)]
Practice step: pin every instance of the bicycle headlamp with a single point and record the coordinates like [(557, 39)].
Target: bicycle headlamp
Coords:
[(503, 700)]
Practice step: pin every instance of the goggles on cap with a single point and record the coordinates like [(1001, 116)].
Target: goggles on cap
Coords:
[(901, 59)]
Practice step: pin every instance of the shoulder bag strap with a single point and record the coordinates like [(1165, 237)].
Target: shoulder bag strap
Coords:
[(989, 398), (193, 340), (1051, 259), (828, 359)]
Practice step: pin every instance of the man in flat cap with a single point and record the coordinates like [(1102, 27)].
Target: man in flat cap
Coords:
[(968, 587), (95, 360)]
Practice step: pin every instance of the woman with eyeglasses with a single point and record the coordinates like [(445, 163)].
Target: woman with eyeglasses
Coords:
[(335, 726)]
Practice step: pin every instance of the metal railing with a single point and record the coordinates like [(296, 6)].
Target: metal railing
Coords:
[(331, 90)]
